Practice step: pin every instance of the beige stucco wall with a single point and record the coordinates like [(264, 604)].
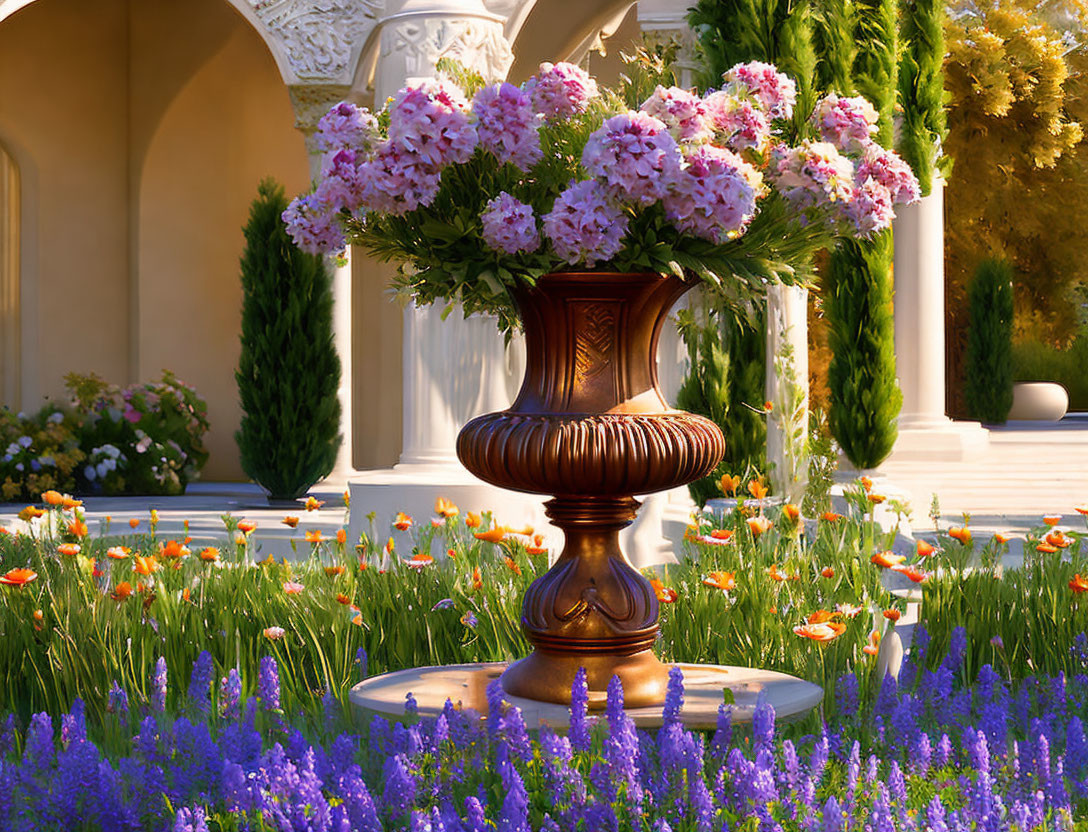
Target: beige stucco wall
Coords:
[(141, 128)]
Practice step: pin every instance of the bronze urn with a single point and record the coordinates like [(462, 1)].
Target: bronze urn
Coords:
[(591, 427)]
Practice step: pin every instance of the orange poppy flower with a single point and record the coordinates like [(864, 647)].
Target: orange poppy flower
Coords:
[(172, 549), (729, 484), (892, 615), (1059, 539), (725, 581), (775, 575), (876, 499), (886, 560), (53, 498), (496, 534), (69, 503), (420, 560), (334, 571), (69, 549), (1052, 519), (1081, 509), (666, 595), (759, 524), (757, 489), (451, 553), (209, 554), (717, 537), (827, 572), (925, 549), (118, 552), (445, 508), (246, 526), (77, 528), (186, 595), (477, 580), (341, 536), (538, 546), (827, 631), (402, 521), (290, 521), (873, 647), (831, 517), (512, 565), (313, 504), (39, 616), (313, 536), (121, 591), (524, 531), (29, 513), (472, 520), (820, 617), (791, 511), (133, 522), (866, 483), (1079, 584), (145, 565), (960, 533), (768, 407), (1002, 538), (343, 599), (19, 577), (914, 573), (1046, 548)]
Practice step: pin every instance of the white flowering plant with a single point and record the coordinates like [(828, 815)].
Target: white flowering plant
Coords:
[(475, 187)]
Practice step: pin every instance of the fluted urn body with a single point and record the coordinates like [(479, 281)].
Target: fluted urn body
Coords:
[(591, 427)]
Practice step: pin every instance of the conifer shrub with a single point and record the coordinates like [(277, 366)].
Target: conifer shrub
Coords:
[(288, 372), (989, 372)]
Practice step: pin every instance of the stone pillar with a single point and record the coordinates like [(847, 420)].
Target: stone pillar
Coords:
[(311, 101), (925, 432), (787, 389)]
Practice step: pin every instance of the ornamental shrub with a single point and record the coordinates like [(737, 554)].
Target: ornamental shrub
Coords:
[(288, 372), (989, 369), (1035, 361), (41, 451)]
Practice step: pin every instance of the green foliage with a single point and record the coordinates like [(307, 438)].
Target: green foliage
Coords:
[(1035, 361), (288, 372), (833, 39), (988, 374), (875, 62), (921, 89), (822, 461), (41, 452), (652, 64), (865, 398)]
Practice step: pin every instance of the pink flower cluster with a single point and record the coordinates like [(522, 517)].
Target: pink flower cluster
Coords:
[(739, 122), (584, 225), (714, 196), (891, 172), (313, 227), (346, 126), (341, 184), (431, 120), (560, 90), (775, 91), (813, 174), (396, 181), (683, 112), (848, 123), (509, 226), (634, 156), (507, 126)]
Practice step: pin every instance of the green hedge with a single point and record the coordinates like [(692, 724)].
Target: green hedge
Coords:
[(1034, 361)]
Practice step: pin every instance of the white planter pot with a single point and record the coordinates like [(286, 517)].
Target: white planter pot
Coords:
[(1038, 401)]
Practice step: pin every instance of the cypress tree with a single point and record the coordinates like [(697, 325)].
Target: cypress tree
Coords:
[(921, 88), (288, 372), (989, 370)]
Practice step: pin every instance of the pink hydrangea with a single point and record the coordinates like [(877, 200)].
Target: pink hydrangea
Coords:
[(889, 169), (775, 91), (560, 90), (431, 120), (509, 225), (341, 185), (396, 181), (741, 124), (848, 123), (346, 126), (584, 226), (714, 196), (813, 174), (313, 227), (870, 208), (634, 155), (681, 111), (507, 126)]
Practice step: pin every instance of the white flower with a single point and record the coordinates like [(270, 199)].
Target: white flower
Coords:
[(25, 441), (90, 473), (56, 418)]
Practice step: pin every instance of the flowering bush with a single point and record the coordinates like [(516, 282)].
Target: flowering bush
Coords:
[(41, 451), (480, 186)]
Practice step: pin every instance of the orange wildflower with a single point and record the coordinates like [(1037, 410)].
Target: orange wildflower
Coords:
[(477, 580), (343, 599), (759, 524), (873, 647), (69, 549), (118, 552), (69, 503), (472, 520), (313, 504), (1081, 509), (757, 489), (827, 572), (1059, 539), (290, 521), (341, 536), (451, 553), (293, 587), (274, 633), (145, 565), (960, 533), (185, 594), (820, 617), (209, 554), (725, 581), (496, 534), (133, 522), (925, 549), (445, 508), (1002, 538), (538, 546), (420, 560), (1079, 584), (666, 595), (775, 575), (866, 483), (30, 513), (53, 498), (729, 484), (39, 616), (1046, 548), (876, 499), (791, 511), (172, 549), (827, 631), (334, 571), (121, 591), (892, 615), (831, 517), (717, 537), (1052, 519), (246, 526), (402, 521), (19, 577), (512, 565), (886, 560), (914, 573), (77, 528), (313, 536)]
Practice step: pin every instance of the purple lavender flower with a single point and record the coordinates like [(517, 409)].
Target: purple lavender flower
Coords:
[(621, 747), (346, 126), (313, 226), (431, 120), (190, 820), (833, 819), (936, 817), (674, 697), (230, 695), (846, 694), (944, 752), (723, 733), (509, 225), (514, 816), (579, 706), (118, 701), (584, 226), (400, 787), (396, 180), (507, 126), (73, 727), (474, 815), (268, 684), (361, 661), (763, 718), (559, 91), (158, 686), (330, 709), (634, 156)]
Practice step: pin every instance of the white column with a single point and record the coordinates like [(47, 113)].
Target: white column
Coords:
[(925, 432), (787, 389)]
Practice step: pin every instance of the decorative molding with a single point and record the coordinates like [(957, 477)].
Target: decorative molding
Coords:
[(319, 37), (312, 101), (416, 42)]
